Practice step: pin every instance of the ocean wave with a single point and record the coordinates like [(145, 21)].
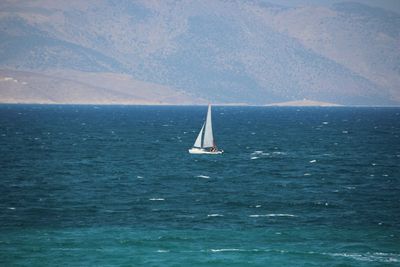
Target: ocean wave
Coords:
[(279, 153), (259, 153), (373, 257), (184, 216), (215, 215), (203, 176), (350, 187), (380, 257), (273, 215), (226, 249)]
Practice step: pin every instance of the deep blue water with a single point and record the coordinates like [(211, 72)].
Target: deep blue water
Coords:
[(115, 186)]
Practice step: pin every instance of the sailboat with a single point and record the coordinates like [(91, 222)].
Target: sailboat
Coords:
[(205, 143)]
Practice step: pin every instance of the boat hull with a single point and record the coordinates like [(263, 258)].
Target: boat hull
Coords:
[(203, 151)]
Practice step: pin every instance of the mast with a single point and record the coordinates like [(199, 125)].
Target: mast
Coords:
[(208, 134)]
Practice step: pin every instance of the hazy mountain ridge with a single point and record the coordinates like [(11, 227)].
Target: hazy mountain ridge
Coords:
[(348, 38), (303, 103), (224, 51), (66, 87)]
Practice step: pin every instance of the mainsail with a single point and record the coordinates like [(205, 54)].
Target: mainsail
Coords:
[(205, 140), (208, 134)]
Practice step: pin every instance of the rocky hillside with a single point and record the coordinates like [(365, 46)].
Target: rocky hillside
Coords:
[(221, 51), (66, 87)]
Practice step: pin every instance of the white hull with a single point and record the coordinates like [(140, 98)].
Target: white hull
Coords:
[(203, 151)]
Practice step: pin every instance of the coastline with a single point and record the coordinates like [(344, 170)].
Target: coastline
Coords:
[(196, 105)]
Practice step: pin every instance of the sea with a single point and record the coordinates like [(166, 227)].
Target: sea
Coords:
[(115, 186)]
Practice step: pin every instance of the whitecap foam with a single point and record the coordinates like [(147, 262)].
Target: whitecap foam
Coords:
[(254, 158), (215, 215), (203, 176), (139, 177), (371, 257), (11, 208), (156, 199), (380, 257), (162, 251), (257, 153), (225, 249), (313, 161), (272, 215)]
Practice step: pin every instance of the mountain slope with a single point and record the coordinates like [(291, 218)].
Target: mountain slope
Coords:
[(363, 39), (224, 51), (67, 87)]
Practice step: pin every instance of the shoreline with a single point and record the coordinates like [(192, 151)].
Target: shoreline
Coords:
[(197, 105)]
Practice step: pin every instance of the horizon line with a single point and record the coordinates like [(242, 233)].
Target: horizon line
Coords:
[(199, 105)]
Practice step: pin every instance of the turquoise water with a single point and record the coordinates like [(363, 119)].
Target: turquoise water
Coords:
[(115, 186)]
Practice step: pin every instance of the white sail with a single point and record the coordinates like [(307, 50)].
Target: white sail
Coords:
[(208, 134), (204, 143), (197, 143)]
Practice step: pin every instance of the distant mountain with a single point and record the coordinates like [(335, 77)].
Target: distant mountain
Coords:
[(303, 103), (66, 87), (245, 51)]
